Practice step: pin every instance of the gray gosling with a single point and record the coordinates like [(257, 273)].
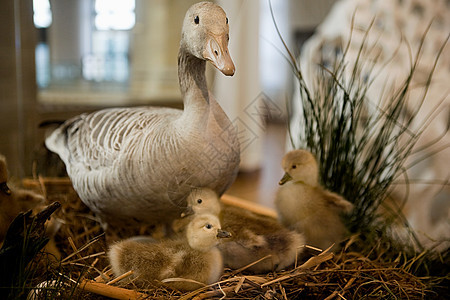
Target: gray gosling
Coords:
[(253, 236), (192, 263), (302, 204)]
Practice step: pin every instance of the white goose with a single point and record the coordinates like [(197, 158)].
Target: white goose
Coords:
[(140, 163)]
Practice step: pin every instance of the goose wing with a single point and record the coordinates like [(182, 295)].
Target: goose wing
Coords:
[(97, 140)]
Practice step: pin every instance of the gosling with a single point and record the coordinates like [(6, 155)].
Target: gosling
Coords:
[(254, 236), (303, 205), (199, 201), (13, 200), (193, 263)]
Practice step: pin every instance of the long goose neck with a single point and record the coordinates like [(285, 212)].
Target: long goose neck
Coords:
[(191, 74)]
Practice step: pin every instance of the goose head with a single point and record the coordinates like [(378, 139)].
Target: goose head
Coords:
[(205, 35), (201, 201), (204, 232), (300, 166)]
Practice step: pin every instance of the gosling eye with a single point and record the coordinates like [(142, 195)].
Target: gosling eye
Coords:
[(294, 166), (199, 201), (5, 189), (208, 226), (227, 20), (196, 20)]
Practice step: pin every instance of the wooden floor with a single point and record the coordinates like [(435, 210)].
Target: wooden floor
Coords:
[(260, 186)]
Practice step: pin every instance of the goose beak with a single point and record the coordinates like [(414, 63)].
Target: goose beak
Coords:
[(223, 234), (187, 212), (285, 179), (217, 53)]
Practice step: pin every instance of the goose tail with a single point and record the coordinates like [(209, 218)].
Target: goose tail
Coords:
[(57, 141)]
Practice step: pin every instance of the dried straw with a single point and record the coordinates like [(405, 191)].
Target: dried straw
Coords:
[(85, 271)]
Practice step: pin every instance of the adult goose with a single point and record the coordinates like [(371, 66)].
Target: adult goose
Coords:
[(139, 164)]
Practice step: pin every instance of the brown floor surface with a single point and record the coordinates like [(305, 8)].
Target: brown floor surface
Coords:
[(260, 186)]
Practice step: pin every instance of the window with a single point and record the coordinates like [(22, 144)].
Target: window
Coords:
[(108, 59), (114, 14), (42, 14), (82, 43)]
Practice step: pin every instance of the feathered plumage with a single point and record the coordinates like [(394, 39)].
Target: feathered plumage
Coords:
[(140, 163), (305, 206), (194, 258), (253, 236)]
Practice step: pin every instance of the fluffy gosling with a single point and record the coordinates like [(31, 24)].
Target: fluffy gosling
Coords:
[(196, 259), (253, 236), (13, 200), (199, 201), (302, 204)]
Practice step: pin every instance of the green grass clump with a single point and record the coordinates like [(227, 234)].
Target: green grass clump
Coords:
[(26, 272), (361, 146)]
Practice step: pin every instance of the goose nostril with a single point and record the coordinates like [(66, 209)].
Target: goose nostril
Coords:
[(216, 53)]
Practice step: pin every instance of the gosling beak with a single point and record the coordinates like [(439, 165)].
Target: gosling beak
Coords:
[(285, 179), (187, 212), (223, 234), (4, 188), (217, 53)]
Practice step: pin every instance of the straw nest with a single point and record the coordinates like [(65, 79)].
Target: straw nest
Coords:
[(84, 272)]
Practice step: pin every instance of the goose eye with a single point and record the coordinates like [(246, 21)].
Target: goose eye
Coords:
[(208, 226), (199, 201), (227, 20), (196, 20), (294, 166)]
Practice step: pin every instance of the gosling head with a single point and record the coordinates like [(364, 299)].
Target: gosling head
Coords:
[(300, 166), (4, 189), (205, 35), (204, 232), (201, 201)]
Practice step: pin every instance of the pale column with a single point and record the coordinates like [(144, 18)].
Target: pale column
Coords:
[(154, 50), (240, 95), (68, 38)]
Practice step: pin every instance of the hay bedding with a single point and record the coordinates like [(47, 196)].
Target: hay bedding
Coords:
[(84, 272)]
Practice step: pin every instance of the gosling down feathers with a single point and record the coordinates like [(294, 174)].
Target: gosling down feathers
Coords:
[(140, 163), (302, 204), (253, 236), (13, 200), (194, 259)]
